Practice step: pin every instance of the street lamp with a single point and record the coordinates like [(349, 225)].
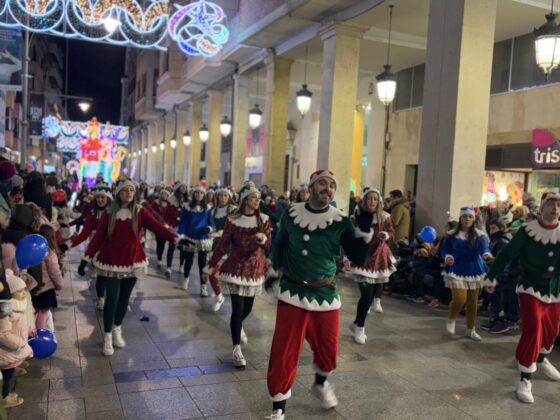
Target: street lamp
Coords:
[(225, 126), (146, 150), (204, 133), (154, 148), (187, 138), (162, 145), (304, 95), (386, 89), (255, 115), (173, 143), (84, 106), (547, 43)]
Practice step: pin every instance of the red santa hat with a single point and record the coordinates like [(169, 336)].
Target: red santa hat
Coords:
[(321, 173), (550, 195)]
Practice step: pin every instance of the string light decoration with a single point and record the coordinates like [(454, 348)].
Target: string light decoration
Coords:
[(196, 27)]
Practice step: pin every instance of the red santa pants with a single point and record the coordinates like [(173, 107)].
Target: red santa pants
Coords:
[(215, 282), (293, 326), (540, 327)]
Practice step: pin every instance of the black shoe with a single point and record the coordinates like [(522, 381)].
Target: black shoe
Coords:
[(487, 325), (499, 327)]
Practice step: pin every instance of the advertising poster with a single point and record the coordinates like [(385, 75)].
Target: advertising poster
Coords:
[(36, 103), (500, 185), (10, 59)]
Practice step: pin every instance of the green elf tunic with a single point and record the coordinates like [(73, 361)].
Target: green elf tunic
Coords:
[(538, 249), (306, 249)]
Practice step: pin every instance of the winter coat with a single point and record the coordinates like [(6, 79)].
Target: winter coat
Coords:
[(52, 275), (400, 216), (9, 261), (13, 347), (34, 191)]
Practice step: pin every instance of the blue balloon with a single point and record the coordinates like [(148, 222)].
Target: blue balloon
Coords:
[(43, 347), (31, 251), (43, 332), (428, 234)]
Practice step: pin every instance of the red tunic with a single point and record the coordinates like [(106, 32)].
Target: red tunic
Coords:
[(380, 264), (246, 264), (90, 225), (168, 213), (123, 251)]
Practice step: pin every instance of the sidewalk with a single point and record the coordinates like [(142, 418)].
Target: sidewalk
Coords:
[(177, 365)]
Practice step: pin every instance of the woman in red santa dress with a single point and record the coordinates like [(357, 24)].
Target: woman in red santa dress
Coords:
[(380, 265), (247, 236), (118, 256), (169, 215)]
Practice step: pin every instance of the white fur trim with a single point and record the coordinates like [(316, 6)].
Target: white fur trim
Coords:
[(321, 372), (547, 351), (247, 222), (197, 208), (241, 281), (454, 281), (537, 294), (486, 282), (385, 236), (295, 300), (123, 214), (371, 274), (120, 268), (281, 397), (366, 236), (261, 238), (542, 235), (178, 238), (312, 221), (530, 369), (207, 270)]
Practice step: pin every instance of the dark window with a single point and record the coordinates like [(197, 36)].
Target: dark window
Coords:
[(418, 85), (500, 66), (404, 89), (203, 152), (525, 72)]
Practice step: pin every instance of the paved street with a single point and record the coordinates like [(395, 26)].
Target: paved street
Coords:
[(177, 365)]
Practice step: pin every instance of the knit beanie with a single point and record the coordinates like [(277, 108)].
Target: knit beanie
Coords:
[(16, 284)]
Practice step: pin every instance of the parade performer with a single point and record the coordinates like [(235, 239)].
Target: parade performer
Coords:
[(380, 265), (305, 252), (223, 208), (103, 197), (169, 215), (196, 224), (536, 245), (247, 235), (118, 256), (464, 251), (178, 199)]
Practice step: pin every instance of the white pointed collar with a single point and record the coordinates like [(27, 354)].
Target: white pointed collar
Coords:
[(312, 221), (247, 222), (541, 234)]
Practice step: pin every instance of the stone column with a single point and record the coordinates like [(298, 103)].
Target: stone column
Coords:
[(152, 159), (146, 155), (341, 53), (214, 144), (376, 134), (194, 157), (455, 109), (276, 121), (180, 152), (240, 126), (167, 154), (357, 151)]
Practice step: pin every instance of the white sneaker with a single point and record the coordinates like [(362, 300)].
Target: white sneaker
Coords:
[(238, 359), (168, 272), (100, 304), (50, 321), (159, 264), (549, 370), (244, 339), (276, 415), (219, 302), (360, 336), (203, 290), (108, 345), (185, 284), (326, 394), (523, 391), (118, 340), (450, 326), (369, 310), (473, 335), (377, 306)]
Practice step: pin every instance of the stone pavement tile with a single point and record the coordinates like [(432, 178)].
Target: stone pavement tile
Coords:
[(217, 378), (173, 373), (33, 390), (388, 406), (67, 409), (239, 397), (97, 403), (134, 365), (247, 375), (106, 415), (174, 403), (92, 376), (221, 368), (144, 353), (78, 391), (121, 377), (193, 361), (29, 410), (497, 403), (292, 412), (218, 346), (148, 385)]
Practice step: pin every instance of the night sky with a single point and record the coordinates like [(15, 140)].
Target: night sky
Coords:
[(95, 71)]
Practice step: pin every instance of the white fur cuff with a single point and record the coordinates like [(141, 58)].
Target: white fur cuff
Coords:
[(366, 236)]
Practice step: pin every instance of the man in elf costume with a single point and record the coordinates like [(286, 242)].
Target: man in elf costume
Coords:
[(537, 247), (305, 252)]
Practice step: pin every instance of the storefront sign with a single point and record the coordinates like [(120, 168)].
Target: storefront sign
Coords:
[(545, 149)]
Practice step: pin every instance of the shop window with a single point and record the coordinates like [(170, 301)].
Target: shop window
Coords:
[(541, 182), (501, 62)]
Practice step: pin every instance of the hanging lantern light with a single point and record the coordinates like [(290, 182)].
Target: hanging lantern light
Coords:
[(304, 95), (140, 152), (204, 133), (387, 80), (146, 150), (154, 148), (225, 126), (173, 143), (547, 43), (187, 138), (162, 145), (255, 113)]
